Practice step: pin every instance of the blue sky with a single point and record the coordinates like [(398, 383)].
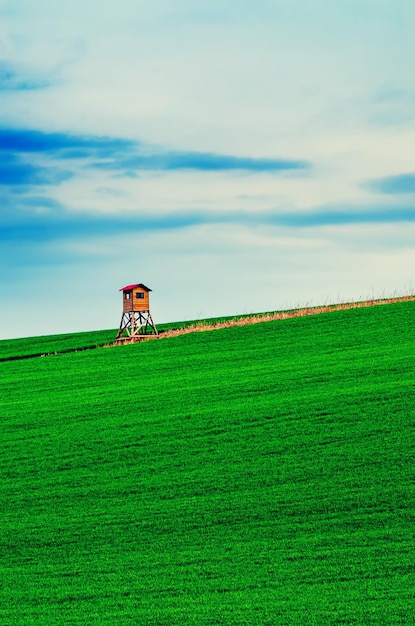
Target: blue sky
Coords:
[(238, 157)]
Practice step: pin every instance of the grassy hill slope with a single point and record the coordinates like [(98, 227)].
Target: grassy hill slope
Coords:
[(252, 475)]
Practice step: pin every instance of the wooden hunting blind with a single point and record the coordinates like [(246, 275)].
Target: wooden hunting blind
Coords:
[(136, 321)]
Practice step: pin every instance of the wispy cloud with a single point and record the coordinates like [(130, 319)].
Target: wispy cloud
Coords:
[(15, 172), (29, 158), (203, 162), (11, 79), (342, 217), (39, 220), (33, 160), (123, 155), (62, 145), (391, 185), (58, 224)]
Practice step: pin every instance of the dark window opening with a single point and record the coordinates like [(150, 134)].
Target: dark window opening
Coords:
[(139, 295)]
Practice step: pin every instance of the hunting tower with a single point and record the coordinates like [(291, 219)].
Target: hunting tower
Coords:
[(136, 321)]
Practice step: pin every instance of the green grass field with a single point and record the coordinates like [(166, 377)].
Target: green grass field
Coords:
[(48, 345), (252, 475), (14, 349)]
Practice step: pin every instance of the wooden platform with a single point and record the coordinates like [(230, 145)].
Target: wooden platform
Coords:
[(137, 339)]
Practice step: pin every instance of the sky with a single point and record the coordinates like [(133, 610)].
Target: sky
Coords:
[(234, 157)]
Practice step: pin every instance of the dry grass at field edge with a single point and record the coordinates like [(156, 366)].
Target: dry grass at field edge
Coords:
[(202, 325)]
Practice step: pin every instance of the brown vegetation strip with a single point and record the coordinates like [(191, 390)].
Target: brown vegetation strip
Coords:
[(280, 315)]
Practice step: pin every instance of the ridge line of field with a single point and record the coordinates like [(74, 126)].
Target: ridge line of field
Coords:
[(209, 324), (257, 318), (38, 355)]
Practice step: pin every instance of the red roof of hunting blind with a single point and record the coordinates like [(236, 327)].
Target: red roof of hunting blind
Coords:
[(130, 287)]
